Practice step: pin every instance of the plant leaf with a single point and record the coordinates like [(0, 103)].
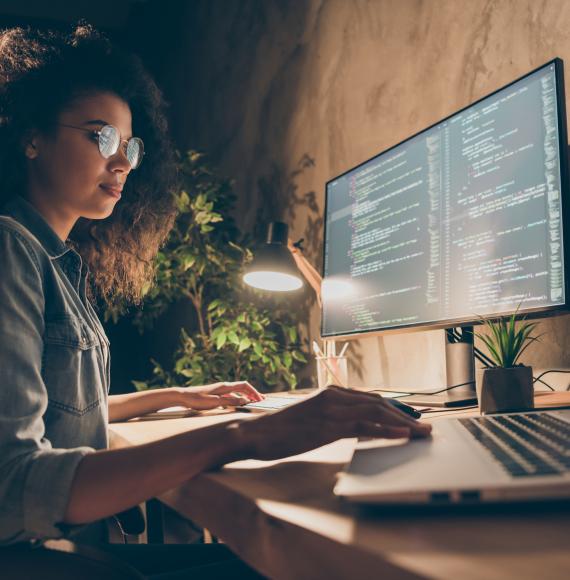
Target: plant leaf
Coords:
[(213, 304), (491, 347), (530, 340), (233, 337), (298, 356), (244, 344), (140, 385), (221, 340)]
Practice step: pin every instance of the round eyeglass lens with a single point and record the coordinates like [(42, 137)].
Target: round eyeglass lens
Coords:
[(109, 141), (135, 151)]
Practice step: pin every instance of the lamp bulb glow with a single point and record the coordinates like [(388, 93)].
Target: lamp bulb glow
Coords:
[(273, 281)]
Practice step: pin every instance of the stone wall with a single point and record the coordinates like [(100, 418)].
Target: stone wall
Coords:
[(287, 94)]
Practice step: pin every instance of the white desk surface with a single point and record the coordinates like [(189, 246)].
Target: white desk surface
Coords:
[(283, 519)]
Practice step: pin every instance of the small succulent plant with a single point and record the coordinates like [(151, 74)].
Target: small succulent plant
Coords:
[(507, 340)]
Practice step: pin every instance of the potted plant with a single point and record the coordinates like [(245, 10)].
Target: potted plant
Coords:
[(236, 335), (508, 385)]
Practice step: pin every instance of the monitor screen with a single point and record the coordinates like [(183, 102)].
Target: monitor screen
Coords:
[(462, 220)]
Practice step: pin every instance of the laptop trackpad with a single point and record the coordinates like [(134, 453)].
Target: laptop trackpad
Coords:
[(377, 459)]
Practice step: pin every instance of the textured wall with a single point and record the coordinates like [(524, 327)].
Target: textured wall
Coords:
[(288, 94)]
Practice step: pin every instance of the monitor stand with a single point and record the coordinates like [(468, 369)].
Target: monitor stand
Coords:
[(460, 370)]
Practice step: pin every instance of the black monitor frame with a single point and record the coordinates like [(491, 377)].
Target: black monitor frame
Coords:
[(538, 312)]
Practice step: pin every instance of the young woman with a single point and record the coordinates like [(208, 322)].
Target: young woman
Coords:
[(86, 171)]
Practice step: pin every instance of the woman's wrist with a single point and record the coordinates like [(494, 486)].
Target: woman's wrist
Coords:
[(175, 396), (241, 443), (162, 398)]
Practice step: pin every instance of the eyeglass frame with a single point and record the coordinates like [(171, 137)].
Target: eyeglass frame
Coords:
[(121, 140)]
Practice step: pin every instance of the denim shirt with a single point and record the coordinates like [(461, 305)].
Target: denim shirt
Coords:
[(54, 375)]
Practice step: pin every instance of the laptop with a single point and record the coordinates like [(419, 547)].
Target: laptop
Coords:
[(498, 458)]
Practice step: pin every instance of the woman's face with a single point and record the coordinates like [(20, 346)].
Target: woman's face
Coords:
[(67, 176)]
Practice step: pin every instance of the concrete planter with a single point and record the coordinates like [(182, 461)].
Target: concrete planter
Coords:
[(505, 389)]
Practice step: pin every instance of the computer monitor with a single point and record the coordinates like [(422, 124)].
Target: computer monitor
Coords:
[(463, 219)]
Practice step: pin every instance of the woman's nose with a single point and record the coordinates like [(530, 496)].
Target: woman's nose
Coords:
[(120, 162)]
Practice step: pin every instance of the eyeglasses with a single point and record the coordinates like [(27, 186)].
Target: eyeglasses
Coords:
[(109, 140)]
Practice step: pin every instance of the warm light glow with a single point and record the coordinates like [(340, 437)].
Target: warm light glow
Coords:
[(273, 281), (336, 289)]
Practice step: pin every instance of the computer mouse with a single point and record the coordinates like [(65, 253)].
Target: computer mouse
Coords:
[(403, 407)]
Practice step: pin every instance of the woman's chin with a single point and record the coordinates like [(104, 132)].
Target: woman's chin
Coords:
[(101, 212)]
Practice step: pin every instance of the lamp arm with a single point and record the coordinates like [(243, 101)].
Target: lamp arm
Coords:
[(307, 269)]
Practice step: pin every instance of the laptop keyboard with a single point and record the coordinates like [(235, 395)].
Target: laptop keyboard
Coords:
[(525, 444)]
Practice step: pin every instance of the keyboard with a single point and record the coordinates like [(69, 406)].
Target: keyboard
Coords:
[(271, 403), (525, 444)]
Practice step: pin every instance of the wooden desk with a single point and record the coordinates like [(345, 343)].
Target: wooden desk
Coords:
[(282, 518)]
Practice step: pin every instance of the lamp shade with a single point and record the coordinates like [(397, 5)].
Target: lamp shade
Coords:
[(273, 267)]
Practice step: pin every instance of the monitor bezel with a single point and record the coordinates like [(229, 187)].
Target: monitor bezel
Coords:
[(530, 313)]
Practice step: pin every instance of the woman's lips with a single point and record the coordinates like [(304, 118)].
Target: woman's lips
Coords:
[(112, 190)]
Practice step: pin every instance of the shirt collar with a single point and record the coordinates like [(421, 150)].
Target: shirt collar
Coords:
[(25, 213)]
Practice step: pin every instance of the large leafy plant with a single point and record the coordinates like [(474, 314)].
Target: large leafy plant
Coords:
[(238, 334), (506, 341)]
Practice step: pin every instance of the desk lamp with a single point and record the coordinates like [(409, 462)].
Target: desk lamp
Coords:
[(279, 265)]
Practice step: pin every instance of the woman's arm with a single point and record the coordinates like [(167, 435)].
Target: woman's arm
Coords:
[(108, 482), (230, 394), (123, 407)]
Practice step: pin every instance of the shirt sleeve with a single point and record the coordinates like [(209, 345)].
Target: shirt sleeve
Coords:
[(35, 480)]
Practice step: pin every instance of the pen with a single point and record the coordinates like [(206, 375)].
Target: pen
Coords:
[(317, 350), (325, 361)]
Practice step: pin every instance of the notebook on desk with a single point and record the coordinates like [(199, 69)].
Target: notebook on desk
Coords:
[(497, 458), (168, 413)]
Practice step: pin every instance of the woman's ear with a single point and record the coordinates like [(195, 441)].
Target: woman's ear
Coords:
[(31, 148), (30, 143)]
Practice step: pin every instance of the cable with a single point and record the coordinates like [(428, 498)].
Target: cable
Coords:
[(406, 393), (544, 383), (552, 371), (548, 372), (483, 358), (447, 409)]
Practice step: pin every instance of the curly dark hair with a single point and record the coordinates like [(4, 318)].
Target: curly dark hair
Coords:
[(41, 73)]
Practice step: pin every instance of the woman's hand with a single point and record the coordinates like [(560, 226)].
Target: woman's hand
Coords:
[(332, 414), (217, 395)]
